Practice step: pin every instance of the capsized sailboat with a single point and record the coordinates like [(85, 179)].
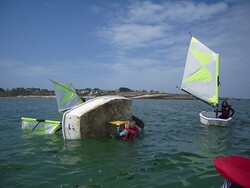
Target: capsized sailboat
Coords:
[(90, 119), (66, 96), (201, 79), (84, 120)]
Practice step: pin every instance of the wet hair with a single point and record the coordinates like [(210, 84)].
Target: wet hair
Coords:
[(130, 123), (224, 102)]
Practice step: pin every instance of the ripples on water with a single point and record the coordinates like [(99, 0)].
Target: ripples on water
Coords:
[(174, 150)]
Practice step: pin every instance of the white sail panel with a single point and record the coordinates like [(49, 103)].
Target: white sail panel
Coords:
[(201, 72), (66, 96)]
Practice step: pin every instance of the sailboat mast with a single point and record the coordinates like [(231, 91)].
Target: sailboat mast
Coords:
[(217, 111)]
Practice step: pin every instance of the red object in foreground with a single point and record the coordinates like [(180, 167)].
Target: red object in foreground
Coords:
[(235, 169)]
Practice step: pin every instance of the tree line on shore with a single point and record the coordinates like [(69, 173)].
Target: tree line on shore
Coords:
[(20, 91), (123, 91)]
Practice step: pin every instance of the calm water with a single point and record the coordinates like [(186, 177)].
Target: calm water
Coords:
[(174, 150)]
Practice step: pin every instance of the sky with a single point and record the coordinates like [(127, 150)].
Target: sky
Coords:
[(110, 44)]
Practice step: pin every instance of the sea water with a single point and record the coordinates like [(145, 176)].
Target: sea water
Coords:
[(174, 150)]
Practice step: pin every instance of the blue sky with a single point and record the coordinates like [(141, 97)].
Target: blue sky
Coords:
[(112, 44)]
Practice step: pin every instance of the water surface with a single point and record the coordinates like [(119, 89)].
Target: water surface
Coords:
[(174, 149)]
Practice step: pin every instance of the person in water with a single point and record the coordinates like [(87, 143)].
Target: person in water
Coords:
[(129, 131), (226, 110)]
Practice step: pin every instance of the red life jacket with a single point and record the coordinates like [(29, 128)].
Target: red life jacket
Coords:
[(132, 133)]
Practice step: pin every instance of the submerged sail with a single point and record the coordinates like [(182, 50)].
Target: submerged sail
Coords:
[(66, 96), (40, 125), (201, 74)]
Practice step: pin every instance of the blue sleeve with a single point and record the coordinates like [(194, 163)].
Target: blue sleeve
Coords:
[(124, 132)]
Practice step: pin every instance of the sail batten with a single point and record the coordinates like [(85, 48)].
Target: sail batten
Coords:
[(201, 73)]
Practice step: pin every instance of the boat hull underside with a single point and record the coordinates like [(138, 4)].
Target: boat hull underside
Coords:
[(209, 118), (94, 124)]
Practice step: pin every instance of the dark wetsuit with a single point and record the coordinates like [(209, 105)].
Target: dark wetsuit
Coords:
[(226, 112)]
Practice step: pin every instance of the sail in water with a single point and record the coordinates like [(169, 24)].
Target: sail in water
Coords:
[(66, 96), (40, 125), (201, 74)]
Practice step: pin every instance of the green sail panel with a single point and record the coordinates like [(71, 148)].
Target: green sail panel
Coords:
[(201, 75), (201, 72), (203, 58), (66, 96)]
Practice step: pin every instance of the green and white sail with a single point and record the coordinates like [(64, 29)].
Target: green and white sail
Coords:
[(66, 96), (40, 125), (201, 74)]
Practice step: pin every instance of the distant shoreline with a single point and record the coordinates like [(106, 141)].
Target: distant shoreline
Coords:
[(138, 96), (28, 96)]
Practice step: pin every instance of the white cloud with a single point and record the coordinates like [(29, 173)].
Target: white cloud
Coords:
[(46, 70), (189, 12), (18, 68), (158, 32), (134, 35), (146, 23), (178, 11)]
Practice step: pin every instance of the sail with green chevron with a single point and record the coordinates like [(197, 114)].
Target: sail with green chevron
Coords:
[(66, 96), (201, 74)]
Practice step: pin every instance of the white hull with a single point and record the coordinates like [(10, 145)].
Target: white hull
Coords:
[(209, 118), (90, 119)]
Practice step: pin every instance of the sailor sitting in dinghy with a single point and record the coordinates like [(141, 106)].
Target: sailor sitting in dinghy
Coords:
[(226, 110)]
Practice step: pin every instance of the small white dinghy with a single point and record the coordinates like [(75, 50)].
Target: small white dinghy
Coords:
[(201, 79), (209, 118), (90, 119)]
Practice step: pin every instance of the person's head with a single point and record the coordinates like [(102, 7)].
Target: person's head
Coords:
[(130, 123), (127, 124), (224, 103)]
